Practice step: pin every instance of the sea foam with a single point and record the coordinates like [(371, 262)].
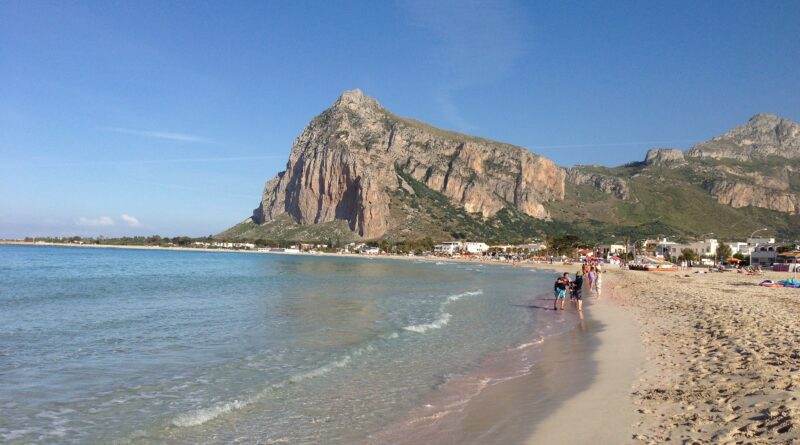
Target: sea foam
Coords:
[(444, 316), (203, 415)]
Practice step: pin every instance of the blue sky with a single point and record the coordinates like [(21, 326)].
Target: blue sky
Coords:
[(168, 117)]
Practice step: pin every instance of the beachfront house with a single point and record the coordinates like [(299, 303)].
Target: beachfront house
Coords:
[(666, 248), (353, 247), (707, 247), (764, 254), (704, 248), (370, 250), (233, 245), (739, 247), (531, 247), (447, 248), (475, 248), (292, 249), (610, 250)]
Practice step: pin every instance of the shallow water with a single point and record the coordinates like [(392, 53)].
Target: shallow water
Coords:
[(135, 346)]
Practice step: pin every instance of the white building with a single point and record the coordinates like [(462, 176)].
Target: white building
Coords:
[(292, 249), (369, 250), (447, 247), (754, 241), (705, 248), (472, 247), (739, 247), (666, 247), (353, 247), (531, 247), (234, 245), (609, 250)]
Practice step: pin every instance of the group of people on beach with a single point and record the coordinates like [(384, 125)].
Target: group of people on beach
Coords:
[(592, 271)]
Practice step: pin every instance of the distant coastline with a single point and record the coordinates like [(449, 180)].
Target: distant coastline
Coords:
[(301, 254)]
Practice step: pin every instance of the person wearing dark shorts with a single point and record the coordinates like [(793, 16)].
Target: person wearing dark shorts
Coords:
[(577, 287)]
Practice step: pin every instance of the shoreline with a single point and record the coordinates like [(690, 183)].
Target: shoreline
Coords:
[(520, 409), (691, 357), (562, 397), (305, 254), (616, 358)]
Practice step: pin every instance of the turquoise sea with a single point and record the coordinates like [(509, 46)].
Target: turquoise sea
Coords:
[(142, 346)]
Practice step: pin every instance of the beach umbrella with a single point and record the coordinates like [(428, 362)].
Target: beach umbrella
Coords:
[(732, 260)]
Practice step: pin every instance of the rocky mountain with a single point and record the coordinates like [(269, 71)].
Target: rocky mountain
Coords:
[(764, 135), (612, 185), (665, 157), (348, 161), (357, 171), (745, 179)]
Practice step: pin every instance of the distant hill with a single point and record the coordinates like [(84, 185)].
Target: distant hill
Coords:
[(357, 171), (746, 179)]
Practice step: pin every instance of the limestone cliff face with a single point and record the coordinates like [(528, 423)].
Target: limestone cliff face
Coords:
[(743, 194), (769, 186), (611, 185), (762, 136), (344, 163), (669, 157)]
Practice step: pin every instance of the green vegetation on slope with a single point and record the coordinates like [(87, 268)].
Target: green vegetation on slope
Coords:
[(284, 228), (669, 202), (426, 212)]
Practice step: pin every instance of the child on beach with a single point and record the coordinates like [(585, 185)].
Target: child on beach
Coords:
[(592, 275), (560, 290)]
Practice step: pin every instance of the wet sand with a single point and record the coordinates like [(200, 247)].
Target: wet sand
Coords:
[(687, 357), (603, 412), (564, 397)]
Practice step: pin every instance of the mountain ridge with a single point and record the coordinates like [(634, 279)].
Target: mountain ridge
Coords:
[(344, 161), (359, 164)]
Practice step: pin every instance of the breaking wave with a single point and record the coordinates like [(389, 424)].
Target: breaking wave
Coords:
[(202, 415), (444, 316)]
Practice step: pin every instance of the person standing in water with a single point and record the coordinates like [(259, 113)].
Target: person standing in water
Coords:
[(560, 291), (591, 276), (577, 286)]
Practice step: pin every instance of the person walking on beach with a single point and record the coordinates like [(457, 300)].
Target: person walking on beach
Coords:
[(560, 291), (598, 283), (577, 286), (591, 276)]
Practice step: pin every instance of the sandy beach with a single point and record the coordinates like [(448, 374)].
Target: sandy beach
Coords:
[(687, 357), (723, 358)]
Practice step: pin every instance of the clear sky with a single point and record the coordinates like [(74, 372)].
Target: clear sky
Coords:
[(161, 117)]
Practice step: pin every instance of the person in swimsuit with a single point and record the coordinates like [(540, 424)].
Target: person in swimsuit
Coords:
[(591, 276), (560, 291)]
